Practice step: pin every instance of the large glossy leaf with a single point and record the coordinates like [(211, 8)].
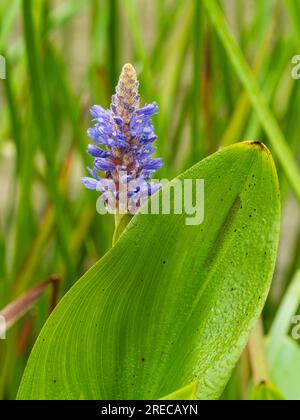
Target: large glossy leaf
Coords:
[(170, 304)]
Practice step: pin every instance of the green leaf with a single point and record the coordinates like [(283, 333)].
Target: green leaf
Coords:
[(169, 304), (188, 392), (266, 392)]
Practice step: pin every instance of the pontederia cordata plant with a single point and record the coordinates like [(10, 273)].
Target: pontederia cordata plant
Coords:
[(170, 307)]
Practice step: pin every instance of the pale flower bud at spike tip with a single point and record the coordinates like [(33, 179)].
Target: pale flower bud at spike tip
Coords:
[(123, 139), (127, 98)]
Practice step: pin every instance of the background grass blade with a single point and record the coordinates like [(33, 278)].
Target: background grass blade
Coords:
[(267, 119), (138, 351)]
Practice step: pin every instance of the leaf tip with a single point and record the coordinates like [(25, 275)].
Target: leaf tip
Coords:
[(258, 144)]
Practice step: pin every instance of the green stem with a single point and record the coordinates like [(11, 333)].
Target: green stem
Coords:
[(113, 41)]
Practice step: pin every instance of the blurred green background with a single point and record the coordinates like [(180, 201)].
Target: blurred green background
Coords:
[(64, 56)]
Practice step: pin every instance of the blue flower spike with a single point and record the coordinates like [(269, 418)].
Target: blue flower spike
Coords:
[(122, 148)]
